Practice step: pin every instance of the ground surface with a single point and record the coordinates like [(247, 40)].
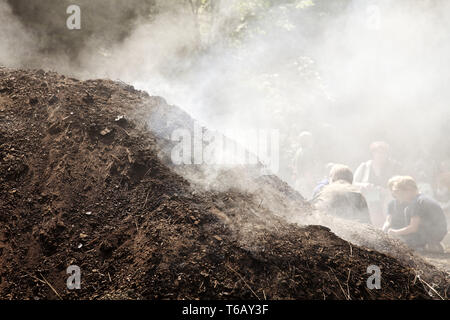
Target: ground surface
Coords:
[(81, 186)]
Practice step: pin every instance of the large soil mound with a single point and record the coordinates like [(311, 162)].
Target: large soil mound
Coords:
[(82, 185)]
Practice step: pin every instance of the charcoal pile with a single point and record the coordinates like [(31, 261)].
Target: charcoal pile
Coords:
[(85, 180)]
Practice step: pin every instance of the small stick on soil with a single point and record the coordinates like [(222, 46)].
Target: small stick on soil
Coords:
[(47, 283), (146, 198), (342, 289), (260, 203), (348, 278), (431, 288), (146, 173), (244, 282), (51, 287)]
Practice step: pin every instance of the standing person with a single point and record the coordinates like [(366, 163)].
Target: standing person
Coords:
[(372, 177), (306, 168), (415, 218)]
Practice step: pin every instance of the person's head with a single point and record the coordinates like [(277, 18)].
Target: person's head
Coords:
[(341, 172), (379, 151), (403, 188), (306, 139)]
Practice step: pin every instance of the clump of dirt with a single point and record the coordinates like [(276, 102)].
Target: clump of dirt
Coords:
[(85, 180)]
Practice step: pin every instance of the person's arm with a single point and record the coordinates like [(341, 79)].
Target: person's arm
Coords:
[(359, 179), (412, 228), (359, 172), (387, 223)]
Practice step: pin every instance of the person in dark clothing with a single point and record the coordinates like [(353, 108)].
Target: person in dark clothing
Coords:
[(417, 219), (340, 198), (396, 215)]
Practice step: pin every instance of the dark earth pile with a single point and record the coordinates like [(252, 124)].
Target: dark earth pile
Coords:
[(81, 185)]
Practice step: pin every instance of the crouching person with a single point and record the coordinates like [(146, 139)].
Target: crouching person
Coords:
[(340, 198), (417, 219)]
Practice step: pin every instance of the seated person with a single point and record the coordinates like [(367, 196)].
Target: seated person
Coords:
[(417, 219), (324, 182), (340, 198)]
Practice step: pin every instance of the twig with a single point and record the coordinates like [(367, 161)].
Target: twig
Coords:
[(260, 202), (51, 287), (348, 278), (146, 199), (245, 282), (431, 288), (47, 283), (146, 173), (342, 289)]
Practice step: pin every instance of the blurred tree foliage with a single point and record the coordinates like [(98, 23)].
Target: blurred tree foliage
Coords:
[(107, 23), (103, 21), (229, 24)]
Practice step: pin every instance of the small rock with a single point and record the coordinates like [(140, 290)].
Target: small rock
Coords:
[(83, 235), (105, 131), (205, 274), (88, 213), (120, 120)]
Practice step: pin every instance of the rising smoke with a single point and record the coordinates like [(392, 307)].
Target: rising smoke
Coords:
[(348, 71)]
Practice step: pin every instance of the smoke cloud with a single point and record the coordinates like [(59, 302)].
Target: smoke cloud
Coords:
[(348, 71)]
